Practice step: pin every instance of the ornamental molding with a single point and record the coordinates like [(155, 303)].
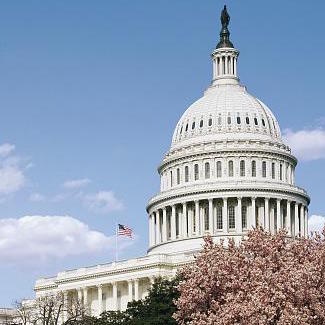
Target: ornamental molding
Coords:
[(237, 151), (161, 200)]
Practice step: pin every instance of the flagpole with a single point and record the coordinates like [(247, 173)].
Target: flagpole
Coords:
[(116, 236)]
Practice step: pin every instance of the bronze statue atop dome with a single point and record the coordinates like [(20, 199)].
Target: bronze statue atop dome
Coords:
[(224, 34), (225, 18)]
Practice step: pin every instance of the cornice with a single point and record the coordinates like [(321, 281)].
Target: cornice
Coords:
[(156, 200)]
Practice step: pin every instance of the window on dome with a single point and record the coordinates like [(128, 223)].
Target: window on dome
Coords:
[(181, 130), (207, 170), (253, 168), (219, 217), (178, 176), (238, 120), (242, 168), (230, 168), (171, 178), (273, 170), (229, 120), (193, 125), (196, 172), (231, 217), (186, 129), (280, 172), (210, 121), (263, 122), (186, 174), (255, 121), (218, 169), (244, 216), (219, 120), (264, 169), (247, 120), (201, 123)]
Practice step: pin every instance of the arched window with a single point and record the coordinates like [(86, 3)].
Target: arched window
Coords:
[(219, 217), (193, 125), (263, 122), (244, 216), (196, 172), (242, 168), (201, 123), (210, 121), (229, 120), (253, 168), (230, 168), (247, 120), (238, 120), (178, 176), (219, 171), (264, 169), (171, 178), (186, 127), (231, 217), (273, 170), (280, 172), (186, 174), (255, 121), (207, 170)]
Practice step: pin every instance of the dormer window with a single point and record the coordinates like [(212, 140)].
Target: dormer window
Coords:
[(229, 120), (263, 122), (255, 121), (193, 125), (210, 122), (247, 120), (201, 123), (238, 120)]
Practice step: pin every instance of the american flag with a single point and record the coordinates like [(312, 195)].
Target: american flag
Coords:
[(124, 231)]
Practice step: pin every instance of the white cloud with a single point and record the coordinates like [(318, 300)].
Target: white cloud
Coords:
[(6, 149), (316, 223), (76, 183), (41, 238), (306, 144), (36, 197), (103, 201), (12, 176)]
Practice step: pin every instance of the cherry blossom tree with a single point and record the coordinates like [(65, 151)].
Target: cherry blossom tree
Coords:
[(267, 279)]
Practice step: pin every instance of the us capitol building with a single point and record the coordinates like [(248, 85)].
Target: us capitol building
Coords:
[(227, 171)]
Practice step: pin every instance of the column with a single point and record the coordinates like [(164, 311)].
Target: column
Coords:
[(114, 284), (130, 289), (288, 225), (184, 220), (239, 225), (202, 223), (211, 216), (267, 214), (190, 221), (100, 298), (197, 217), (136, 289), (85, 291), (306, 222), (296, 220), (225, 216), (164, 229), (65, 306), (302, 221), (235, 65), (152, 230), (79, 294), (253, 219), (226, 65), (157, 227), (173, 222), (278, 214)]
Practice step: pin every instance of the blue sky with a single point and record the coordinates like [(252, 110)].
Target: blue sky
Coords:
[(90, 92)]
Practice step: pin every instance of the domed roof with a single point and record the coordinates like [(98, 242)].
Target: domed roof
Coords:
[(226, 112)]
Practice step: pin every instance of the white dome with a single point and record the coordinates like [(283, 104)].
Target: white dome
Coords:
[(226, 112)]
